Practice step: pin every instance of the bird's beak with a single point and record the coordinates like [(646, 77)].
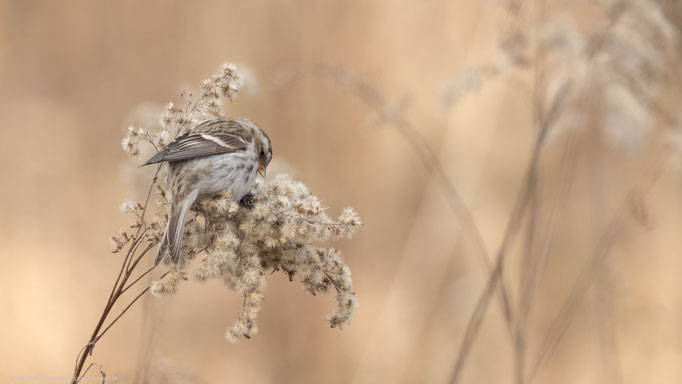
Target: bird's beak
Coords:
[(261, 170)]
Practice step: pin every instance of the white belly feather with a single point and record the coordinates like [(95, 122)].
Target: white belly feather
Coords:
[(218, 173)]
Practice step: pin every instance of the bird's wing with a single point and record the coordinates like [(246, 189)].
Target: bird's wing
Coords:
[(210, 137)]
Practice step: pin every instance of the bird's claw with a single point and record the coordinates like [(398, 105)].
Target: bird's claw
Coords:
[(247, 201)]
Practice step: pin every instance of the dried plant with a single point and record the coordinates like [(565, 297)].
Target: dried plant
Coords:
[(230, 243), (605, 82), (237, 245)]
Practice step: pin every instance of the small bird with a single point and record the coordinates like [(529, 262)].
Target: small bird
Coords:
[(214, 156)]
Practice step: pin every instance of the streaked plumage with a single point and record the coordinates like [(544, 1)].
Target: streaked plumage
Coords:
[(214, 156)]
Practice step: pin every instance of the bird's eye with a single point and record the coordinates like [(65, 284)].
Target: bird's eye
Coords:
[(262, 153)]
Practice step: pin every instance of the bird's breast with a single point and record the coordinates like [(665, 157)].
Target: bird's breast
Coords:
[(233, 171)]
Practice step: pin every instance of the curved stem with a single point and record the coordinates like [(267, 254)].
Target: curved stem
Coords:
[(119, 287)]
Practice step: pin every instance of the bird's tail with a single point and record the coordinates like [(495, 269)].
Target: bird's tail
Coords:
[(172, 238)]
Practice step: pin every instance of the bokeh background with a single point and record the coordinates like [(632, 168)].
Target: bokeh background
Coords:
[(74, 74)]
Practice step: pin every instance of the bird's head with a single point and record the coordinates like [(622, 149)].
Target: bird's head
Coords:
[(261, 141), (263, 149)]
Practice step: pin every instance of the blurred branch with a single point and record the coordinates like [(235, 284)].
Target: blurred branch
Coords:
[(393, 116), (565, 315), (527, 197), (513, 227)]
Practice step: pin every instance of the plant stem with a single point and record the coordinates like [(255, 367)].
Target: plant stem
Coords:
[(128, 265)]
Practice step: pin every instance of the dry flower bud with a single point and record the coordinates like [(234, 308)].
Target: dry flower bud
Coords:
[(127, 206)]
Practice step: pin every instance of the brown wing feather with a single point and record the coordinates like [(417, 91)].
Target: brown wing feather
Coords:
[(207, 138)]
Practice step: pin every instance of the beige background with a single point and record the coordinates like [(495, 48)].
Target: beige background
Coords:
[(73, 75)]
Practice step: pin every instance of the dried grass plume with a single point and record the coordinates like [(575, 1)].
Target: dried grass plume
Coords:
[(237, 245)]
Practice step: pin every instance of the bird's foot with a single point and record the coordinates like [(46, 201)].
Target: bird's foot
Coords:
[(247, 201)]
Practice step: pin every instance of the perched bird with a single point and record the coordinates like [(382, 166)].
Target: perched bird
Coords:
[(213, 156)]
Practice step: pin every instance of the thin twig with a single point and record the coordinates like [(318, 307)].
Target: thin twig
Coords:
[(119, 287), (522, 204), (139, 278), (512, 229), (124, 311), (101, 371), (583, 282)]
